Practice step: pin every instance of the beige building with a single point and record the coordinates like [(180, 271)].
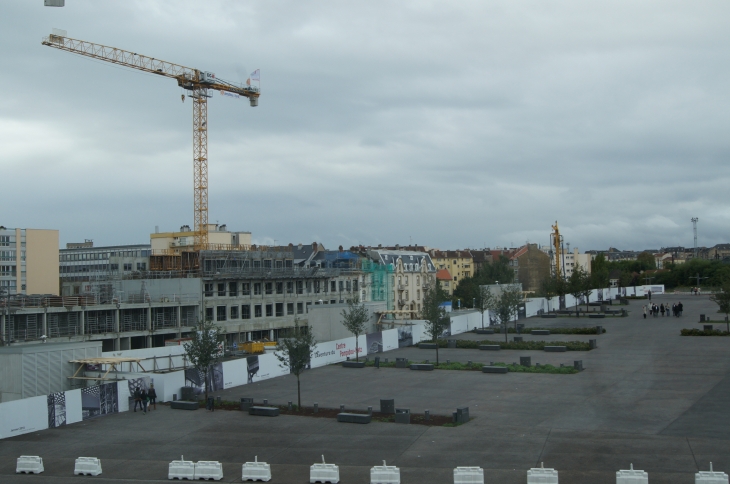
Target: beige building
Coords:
[(218, 237), (459, 263), (413, 272), (28, 261)]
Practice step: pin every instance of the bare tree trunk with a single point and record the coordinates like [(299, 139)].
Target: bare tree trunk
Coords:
[(437, 352), (482, 319), (357, 356), (207, 372), (299, 395)]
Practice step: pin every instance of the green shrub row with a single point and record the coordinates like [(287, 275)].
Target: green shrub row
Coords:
[(519, 345), (567, 370), (558, 330), (701, 332)]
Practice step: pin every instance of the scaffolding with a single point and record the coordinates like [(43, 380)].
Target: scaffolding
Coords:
[(164, 317), (380, 278), (99, 322), (134, 320), (22, 327), (63, 324)]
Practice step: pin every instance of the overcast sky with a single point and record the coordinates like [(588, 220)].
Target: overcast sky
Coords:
[(447, 124)]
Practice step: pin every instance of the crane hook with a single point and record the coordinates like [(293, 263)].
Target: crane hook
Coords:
[(182, 96)]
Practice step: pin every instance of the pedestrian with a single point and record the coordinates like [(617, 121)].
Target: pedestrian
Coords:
[(661, 309), (680, 307), (137, 399), (144, 397), (644, 312), (649, 293), (153, 397), (211, 404)]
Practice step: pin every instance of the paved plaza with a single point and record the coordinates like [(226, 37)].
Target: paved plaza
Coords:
[(647, 396)]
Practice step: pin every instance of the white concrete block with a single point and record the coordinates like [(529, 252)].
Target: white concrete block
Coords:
[(256, 471), (711, 477), (632, 476), (468, 475), (324, 473), (181, 469), (384, 474), (209, 469), (89, 466), (541, 475), (29, 464)]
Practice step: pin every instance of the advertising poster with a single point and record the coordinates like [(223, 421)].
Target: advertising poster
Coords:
[(56, 409), (405, 336), (23, 416), (269, 366), (195, 379), (235, 373), (390, 340), (99, 400), (374, 342), (73, 406)]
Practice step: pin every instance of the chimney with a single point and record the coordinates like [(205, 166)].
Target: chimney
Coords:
[(341, 249)]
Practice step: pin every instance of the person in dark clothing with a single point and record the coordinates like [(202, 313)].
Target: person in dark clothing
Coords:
[(680, 308), (144, 397), (153, 397), (137, 399)]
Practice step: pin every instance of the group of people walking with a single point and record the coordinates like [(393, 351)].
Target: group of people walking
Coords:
[(145, 399), (676, 309)]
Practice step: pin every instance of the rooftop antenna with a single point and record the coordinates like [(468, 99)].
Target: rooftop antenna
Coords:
[(694, 228)]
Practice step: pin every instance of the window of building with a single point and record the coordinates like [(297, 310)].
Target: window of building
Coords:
[(279, 264), (342, 285), (267, 264), (234, 312), (246, 289), (349, 286), (141, 266), (279, 287), (5, 240), (289, 309), (300, 285), (269, 310), (256, 288), (406, 294), (309, 287), (354, 286), (288, 263), (316, 287), (257, 265), (257, 311), (418, 280), (221, 313), (289, 287), (128, 266), (221, 289), (333, 301), (269, 287), (300, 308), (418, 294), (279, 309), (245, 311), (333, 286), (209, 314), (454, 277)]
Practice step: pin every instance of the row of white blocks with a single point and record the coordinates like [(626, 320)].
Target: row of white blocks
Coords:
[(32, 464), (330, 473)]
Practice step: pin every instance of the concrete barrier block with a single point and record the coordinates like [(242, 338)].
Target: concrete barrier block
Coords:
[(494, 369), (209, 469), (711, 477), (353, 364), (542, 475), (421, 366), (428, 346), (403, 415), (181, 469), (384, 474), (451, 343), (540, 332), (358, 418), (87, 466), (632, 476), (29, 464), (401, 362), (596, 316), (490, 347), (555, 349), (184, 405), (387, 405), (264, 411), (484, 331), (256, 471), (525, 361), (468, 475), (246, 403), (324, 473), (548, 316)]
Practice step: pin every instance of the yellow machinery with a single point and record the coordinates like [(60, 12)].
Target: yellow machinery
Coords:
[(197, 82), (255, 347), (555, 240)]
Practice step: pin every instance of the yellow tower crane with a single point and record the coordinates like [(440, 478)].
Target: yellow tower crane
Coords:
[(197, 82), (556, 240)]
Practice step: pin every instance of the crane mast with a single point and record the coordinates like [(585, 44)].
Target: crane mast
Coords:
[(197, 82), (555, 240)]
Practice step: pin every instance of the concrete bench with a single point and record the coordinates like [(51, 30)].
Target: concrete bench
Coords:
[(353, 364), (596, 316), (484, 331), (358, 418), (422, 366), (183, 405), (540, 332), (548, 316), (494, 369), (401, 362), (555, 349), (264, 411), (89, 466), (428, 346), (490, 347), (256, 471)]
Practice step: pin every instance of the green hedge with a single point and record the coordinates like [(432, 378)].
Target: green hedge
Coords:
[(558, 330), (520, 345), (568, 370), (700, 332)]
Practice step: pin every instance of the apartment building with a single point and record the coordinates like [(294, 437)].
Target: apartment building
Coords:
[(459, 263), (28, 261), (219, 237), (413, 272)]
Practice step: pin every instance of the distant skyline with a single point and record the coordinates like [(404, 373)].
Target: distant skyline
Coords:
[(451, 125)]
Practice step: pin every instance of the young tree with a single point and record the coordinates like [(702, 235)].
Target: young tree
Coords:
[(508, 306), (434, 313), (722, 299), (576, 286), (548, 287), (295, 351), (204, 348), (485, 301), (355, 319), (587, 286)]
